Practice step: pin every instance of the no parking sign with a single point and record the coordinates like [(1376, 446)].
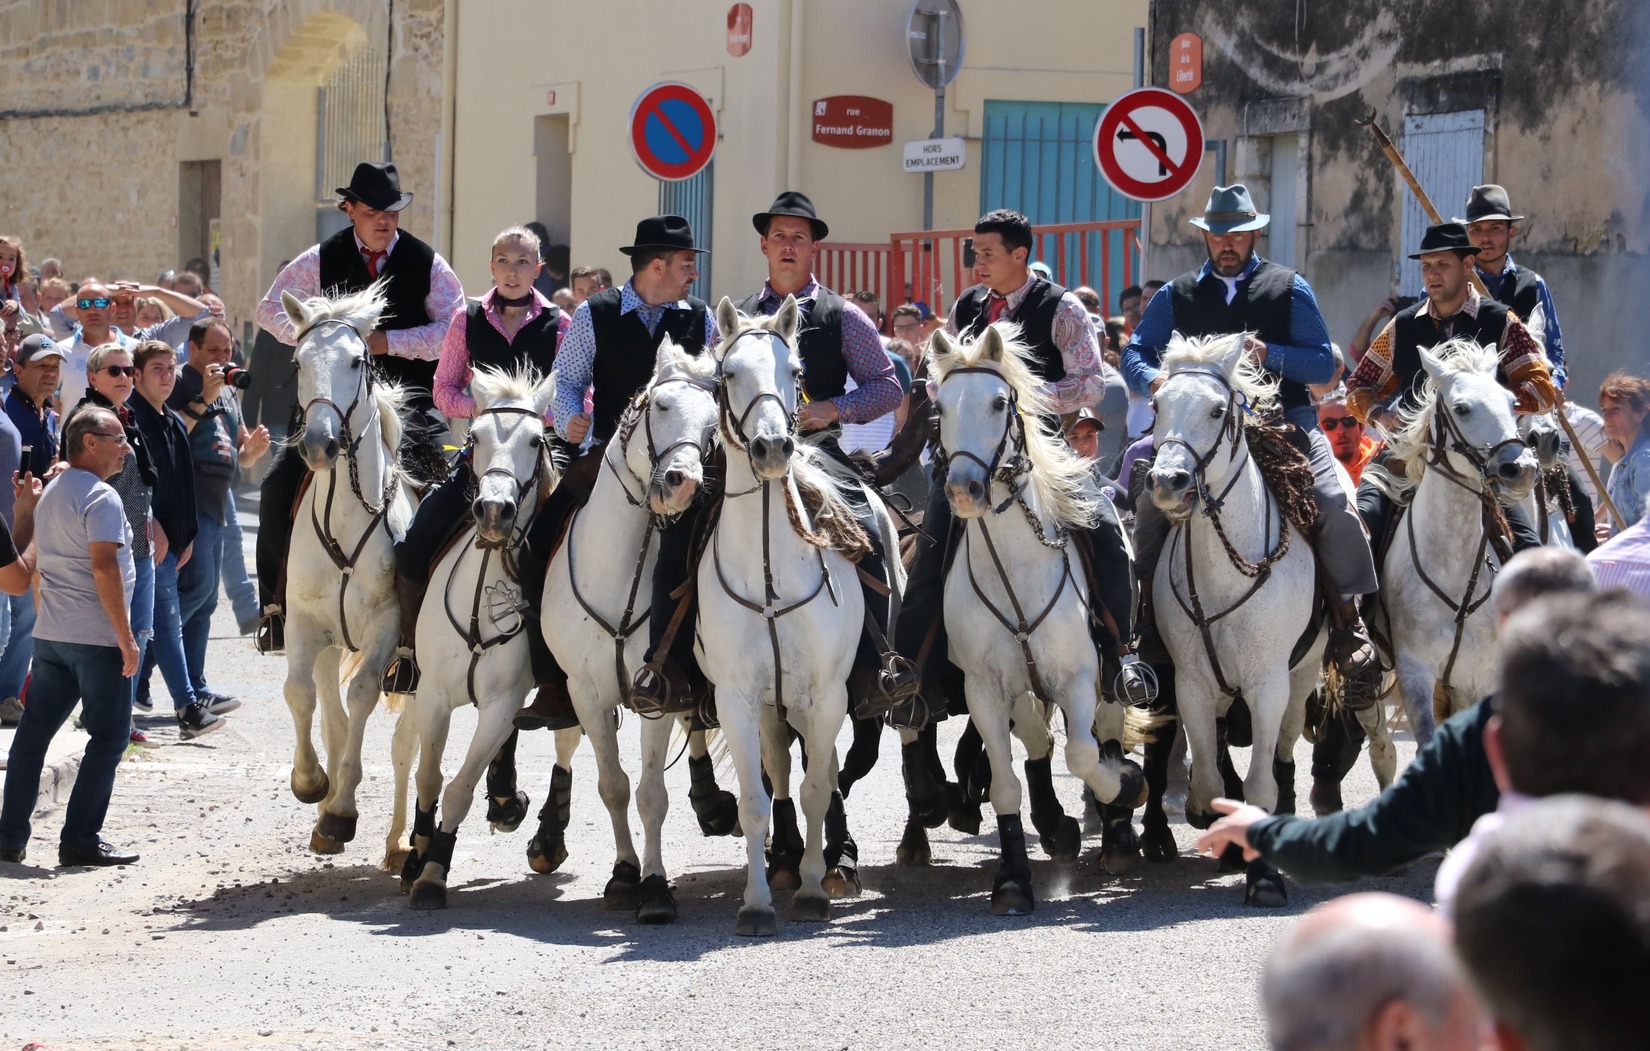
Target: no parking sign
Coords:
[(1148, 144), (672, 131)]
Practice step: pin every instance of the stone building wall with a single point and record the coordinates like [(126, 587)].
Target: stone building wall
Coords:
[(96, 117)]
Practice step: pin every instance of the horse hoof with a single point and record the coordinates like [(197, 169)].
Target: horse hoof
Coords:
[(1325, 797), (1012, 899), (411, 866), (427, 894), (1161, 848), (784, 877), (913, 846), (1066, 842), (395, 861), (756, 921), (657, 904), (1265, 890), (337, 827), (310, 795), (1132, 790), (623, 891), (545, 860), (507, 815), (842, 883), (319, 844), (1200, 819), (720, 817), (810, 908), (1120, 860), (965, 818)]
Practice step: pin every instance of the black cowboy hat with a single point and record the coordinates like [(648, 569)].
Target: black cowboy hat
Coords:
[(663, 231), (376, 185), (1446, 237), (1488, 202), (791, 202)]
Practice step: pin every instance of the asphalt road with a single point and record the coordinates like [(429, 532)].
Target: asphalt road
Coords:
[(230, 933)]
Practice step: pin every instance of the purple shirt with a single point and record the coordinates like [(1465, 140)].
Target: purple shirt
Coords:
[(878, 392)]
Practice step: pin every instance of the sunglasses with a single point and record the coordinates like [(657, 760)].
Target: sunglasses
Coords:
[(118, 371), (100, 303), (119, 437), (1333, 422)]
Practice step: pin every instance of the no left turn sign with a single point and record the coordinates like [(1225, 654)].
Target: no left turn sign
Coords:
[(1148, 144)]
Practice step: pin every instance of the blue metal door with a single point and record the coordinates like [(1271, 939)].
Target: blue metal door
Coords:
[(1038, 159), (692, 199)]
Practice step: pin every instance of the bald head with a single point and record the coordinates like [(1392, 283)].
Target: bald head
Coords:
[(1368, 971), (1538, 572)]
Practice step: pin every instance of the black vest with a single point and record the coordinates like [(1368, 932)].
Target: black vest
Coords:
[(819, 343), (1263, 305), (1414, 328), (625, 352), (1034, 315), (1520, 293), (535, 341), (407, 271)]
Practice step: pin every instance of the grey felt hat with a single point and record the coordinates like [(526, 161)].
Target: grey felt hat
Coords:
[(1231, 210)]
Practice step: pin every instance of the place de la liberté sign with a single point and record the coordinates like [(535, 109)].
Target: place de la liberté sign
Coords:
[(853, 122)]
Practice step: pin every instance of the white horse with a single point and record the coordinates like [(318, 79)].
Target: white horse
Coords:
[(1016, 605), (780, 610), (1461, 455), (1548, 504), (340, 567), (596, 604), (1236, 579), (470, 627)]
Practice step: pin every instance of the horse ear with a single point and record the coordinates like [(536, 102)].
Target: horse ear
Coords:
[(666, 357), (727, 317), (991, 344), (1436, 367), (1232, 355), (1536, 324), (787, 320), (941, 349), (294, 309), (544, 392)]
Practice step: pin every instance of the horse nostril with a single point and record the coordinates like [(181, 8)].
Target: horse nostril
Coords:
[(975, 489), (787, 448), (674, 478), (1511, 470), (759, 448), (332, 448), (1176, 479)]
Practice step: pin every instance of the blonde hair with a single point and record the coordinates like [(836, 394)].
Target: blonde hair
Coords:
[(517, 233), (101, 353), (142, 302), (21, 274)]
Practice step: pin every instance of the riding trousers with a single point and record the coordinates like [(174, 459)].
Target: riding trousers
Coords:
[(1343, 549)]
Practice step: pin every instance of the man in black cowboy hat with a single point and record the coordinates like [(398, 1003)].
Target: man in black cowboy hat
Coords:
[(423, 293), (1490, 223), (1066, 351), (837, 342), (610, 350), (1238, 291), (1390, 376)]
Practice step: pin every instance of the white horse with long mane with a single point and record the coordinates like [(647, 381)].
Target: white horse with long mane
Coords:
[(780, 608), (1236, 578), (340, 567), (1462, 457), (472, 623), (1016, 601), (596, 607)]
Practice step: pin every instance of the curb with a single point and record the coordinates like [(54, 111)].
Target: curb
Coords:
[(56, 782)]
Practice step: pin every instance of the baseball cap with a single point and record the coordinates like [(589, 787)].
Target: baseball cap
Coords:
[(37, 346), (1085, 414)]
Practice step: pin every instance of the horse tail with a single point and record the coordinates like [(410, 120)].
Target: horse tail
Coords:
[(1140, 727), (351, 665)]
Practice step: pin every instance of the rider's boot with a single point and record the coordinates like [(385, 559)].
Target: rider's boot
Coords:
[(401, 674), (1148, 643), (552, 709), (1354, 655), (271, 637)]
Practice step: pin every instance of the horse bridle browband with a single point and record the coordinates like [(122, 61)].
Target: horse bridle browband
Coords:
[(736, 436)]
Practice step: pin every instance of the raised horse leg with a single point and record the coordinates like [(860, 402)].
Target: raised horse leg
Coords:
[(506, 805), (548, 848), (1061, 837), (339, 815), (326, 836), (716, 809), (308, 781), (785, 849), (493, 725)]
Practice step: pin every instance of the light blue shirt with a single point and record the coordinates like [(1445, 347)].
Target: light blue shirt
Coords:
[(1629, 485)]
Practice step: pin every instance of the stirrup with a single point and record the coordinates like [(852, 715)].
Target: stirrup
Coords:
[(1135, 683), (911, 713), (270, 639), (651, 692), (401, 674)]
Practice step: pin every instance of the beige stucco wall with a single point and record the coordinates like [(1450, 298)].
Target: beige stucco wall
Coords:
[(505, 73), (100, 189)]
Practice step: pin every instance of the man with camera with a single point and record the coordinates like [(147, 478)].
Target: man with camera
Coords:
[(219, 443)]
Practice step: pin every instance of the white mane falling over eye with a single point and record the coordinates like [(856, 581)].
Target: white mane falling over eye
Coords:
[(1408, 443), (360, 310), (1248, 378)]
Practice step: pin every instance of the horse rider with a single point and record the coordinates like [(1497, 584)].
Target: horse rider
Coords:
[(511, 327), (610, 350), (836, 342), (1238, 291), (1490, 224), (1390, 376), (423, 293), (1066, 355)]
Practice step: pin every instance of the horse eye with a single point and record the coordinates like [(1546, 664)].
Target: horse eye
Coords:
[(1217, 412), (999, 403), (537, 439), (1463, 409), (355, 363)]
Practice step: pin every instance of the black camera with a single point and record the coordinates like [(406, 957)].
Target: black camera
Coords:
[(237, 377)]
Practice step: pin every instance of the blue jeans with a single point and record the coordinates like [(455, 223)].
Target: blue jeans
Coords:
[(166, 647), (142, 610), (14, 665), (198, 597), (236, 584), (66, 673)]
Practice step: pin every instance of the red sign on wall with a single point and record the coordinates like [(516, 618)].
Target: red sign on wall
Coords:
[(853, 122), (1186, 63), (739, 29)]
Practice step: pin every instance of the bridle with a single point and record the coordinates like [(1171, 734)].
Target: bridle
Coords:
[(638, 413), (345, 562), (734, 435), (512, 540)]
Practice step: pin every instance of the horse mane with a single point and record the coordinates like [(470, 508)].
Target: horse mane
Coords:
[(1258, 387), (700, 367), (1061, 482), (361, 310), (391, 399), (490, 385), (823, 489), (1409, 441)]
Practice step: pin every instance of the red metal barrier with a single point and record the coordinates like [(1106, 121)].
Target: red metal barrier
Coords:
[(850, 268)]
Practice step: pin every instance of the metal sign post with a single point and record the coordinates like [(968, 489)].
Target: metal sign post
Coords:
[(934, 37)]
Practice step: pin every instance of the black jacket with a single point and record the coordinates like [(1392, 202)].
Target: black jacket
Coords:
[(168, 444)]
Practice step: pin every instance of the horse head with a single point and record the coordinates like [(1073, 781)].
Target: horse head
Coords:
[(761, 375), (1474, 420), (677, 425), (979, 413), (1541, 433), (1206, 385), (508, 453), (333, 366)]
